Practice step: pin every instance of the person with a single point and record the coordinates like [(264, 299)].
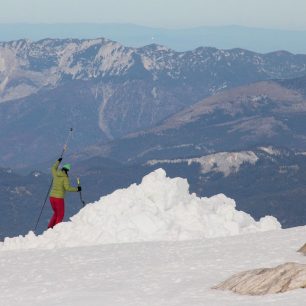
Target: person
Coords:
[(60, 185)]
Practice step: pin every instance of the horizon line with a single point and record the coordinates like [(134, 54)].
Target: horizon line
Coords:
[(173, 28)]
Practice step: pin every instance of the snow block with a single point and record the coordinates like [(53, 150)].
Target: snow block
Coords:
[(158, 209)]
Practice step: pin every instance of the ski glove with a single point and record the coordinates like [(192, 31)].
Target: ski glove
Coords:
[(79, 188), (60, 159)]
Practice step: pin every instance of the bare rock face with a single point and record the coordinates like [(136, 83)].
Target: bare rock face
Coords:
[(286, 277), (303, 249)]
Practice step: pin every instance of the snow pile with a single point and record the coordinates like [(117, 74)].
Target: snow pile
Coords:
[(160, 208)]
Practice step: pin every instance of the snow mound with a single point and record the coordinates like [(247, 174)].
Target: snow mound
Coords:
[(160, 208)]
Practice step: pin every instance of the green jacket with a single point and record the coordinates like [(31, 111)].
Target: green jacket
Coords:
[(61, 183)]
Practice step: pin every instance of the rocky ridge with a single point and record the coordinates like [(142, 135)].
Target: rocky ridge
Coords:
[(283, 278)]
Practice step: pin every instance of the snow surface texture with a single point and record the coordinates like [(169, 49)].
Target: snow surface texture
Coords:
[(158, 209), (149, 273)]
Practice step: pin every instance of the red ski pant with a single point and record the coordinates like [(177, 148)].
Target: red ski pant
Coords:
[(58, 206)]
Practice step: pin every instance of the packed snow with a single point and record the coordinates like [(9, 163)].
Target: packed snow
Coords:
[(158, 209), (148, 274)]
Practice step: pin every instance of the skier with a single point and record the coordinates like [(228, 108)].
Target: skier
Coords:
[(60, 185)]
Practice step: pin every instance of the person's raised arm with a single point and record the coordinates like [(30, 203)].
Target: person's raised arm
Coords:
[(55, 167)]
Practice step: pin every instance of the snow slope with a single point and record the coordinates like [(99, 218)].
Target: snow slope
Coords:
[(147, 274), (158, 209)]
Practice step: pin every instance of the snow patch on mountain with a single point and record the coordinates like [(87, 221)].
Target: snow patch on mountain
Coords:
[(115, 58), (224, 162), (65, 59), (159, 209), (107, 57), (6, 56), (2, 64), (3, 84), (147, 62), (270, 150), (154, 92)]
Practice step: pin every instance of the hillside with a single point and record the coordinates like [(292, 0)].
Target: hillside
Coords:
[(263, 113), (106, 90)]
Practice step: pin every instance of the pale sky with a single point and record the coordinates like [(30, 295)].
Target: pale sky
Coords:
[(283, 14)]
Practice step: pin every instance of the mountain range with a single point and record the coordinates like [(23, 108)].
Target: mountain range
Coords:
[(107, 91)]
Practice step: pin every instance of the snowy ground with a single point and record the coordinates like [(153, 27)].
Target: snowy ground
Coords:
[(147, 273)]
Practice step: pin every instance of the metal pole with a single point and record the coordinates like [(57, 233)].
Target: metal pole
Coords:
[(42, 208), (66, 142), (81, 197)]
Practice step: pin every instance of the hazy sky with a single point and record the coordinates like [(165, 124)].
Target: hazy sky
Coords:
[(285, 14)]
